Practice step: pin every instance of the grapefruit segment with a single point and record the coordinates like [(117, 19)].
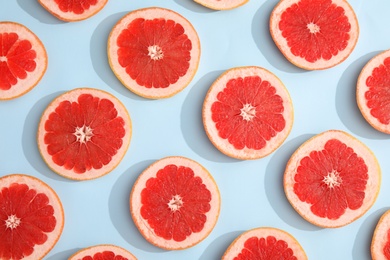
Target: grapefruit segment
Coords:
[(103, 252), (247, 113), (154, 52), (265, 243), (32, 217), (175, 203), (316, 34), (332, 179), (23, 60), (380, 244), (84, 133), (221, 4)]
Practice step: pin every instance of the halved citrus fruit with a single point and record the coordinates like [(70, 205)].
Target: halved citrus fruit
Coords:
[(23, 60), (332, 179), (73, 10), (31, 217), (103, 252), (315, 34), (265, 243), (221, 4), (84, 133), (175, 203), (247, 113), (380, 244), (154, 52), (373, 92)]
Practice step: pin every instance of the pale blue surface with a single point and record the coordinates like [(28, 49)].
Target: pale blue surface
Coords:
[(252, 195)]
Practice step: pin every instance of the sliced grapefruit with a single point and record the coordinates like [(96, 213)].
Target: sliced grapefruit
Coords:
[(221, 4), (373, 92), (332, 179), (103, 252), (154, 52), (265, 243), (23, 60), (380, 244), (247, 113), (175, 203), (31, 217), (73, 10), (84, 133), (315, 34)]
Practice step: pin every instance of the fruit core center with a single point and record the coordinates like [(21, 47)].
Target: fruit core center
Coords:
[(12, 222), (313, 28), (332, 179), (175, 203), (83, 134), (248, 112), (3, 58), (155, 52)]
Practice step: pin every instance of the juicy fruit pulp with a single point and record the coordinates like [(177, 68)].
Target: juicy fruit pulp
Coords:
[(99, 252), (380, 244), (77, 7)]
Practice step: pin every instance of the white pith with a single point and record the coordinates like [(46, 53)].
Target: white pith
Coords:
[(83, 134), (380, 237), (91, 251), (248, 112), (3, 58), (155, 52), (221, 4), (333, 179), (175, 203), (12, 221), (313, 28)]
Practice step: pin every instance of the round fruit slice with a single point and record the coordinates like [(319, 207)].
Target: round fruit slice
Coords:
[(31, 217), (380, 245), (247, 113), (221, 4), (332, 179), (23, 60), (103, 252), (265, 243), (84, 133), (175, 203), (154, 52), (373, 92), (316, 34), (73, 10)]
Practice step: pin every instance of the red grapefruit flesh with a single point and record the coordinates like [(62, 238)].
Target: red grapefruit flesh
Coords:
[(23, 60), (73, 10), (247, 113), (103, 252), (332, 179), (373, 92), (380, 244), (263, 244), (175, 203), (84, 133), (154, 52), (314, 34), (31, 217), (221, 4)]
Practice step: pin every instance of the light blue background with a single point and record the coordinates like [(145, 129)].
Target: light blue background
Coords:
[(97, 211)]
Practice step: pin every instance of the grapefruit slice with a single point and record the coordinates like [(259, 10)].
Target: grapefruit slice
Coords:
[(373, 92), (221, 4), (175, 203), (105, 252), (154, 52), (23, 60), (247, 113), (31, 216), (265, 243), (380, 244), (73, 10), (332, 179), (84, 133), (314, 35)]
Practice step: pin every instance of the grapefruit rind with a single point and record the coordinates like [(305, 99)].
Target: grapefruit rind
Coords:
[(41, 187), (143, 226), (54, 9), (91, 251), (317, 143), (72, 96), (223, 145), (25, 85), (321, 64), (120, 72), (237, 245), (380, 237), (222, 5), (362, 88)]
